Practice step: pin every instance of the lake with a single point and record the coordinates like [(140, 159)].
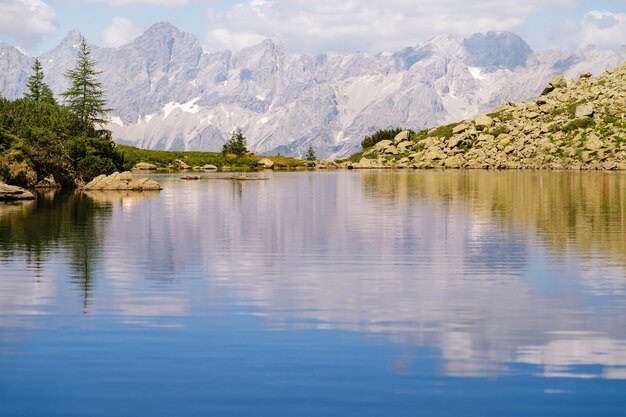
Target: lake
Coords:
[(431, 293)]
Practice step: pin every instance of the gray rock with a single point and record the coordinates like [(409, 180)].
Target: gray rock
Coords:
[(452, 162), (181, 164), (483, 122), (392, 150), (144, 166), (454, 141), (593, 143), (553, 84), (404, 146), (434, 154), (121, 181), (12, 192), (266, 163), (382, 145), (402, 136), (585, 110)]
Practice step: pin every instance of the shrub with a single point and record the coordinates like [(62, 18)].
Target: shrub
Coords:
[(582, 123), (385, 134)]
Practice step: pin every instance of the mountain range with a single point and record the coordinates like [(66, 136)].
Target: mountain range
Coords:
[(167, 92)]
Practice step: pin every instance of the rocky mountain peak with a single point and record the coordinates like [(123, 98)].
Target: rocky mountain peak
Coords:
[(497, 49), (162, 29), (71, 40)]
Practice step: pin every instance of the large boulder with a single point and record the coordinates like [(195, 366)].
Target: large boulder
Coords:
[(382, 145), (402, 136), (553, 84), (144, 166), (327, 164), (12, 192), (266, 163), (593, 143), (121, 181), (585, 110), (392, 150), (483, 122), (209, 167), (452, 162), (181, 164)]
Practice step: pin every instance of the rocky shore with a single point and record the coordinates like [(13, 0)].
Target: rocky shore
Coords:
[(576, 125)]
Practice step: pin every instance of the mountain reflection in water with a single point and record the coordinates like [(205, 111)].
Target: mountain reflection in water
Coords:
[(490, 269)]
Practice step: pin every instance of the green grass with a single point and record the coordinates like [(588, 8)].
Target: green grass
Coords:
[(445, 131), (498, 131), (577, 124), (355, 157), (568, 109), (503, 116), (162, 159)]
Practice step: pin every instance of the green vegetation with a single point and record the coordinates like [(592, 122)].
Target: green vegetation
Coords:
[(501, 115), (236, 145), (310, 154), (39, 137), (442, 131), (385, 134), (502, 129), (164, 159), (85, 97), (568, 109), (582, 123), (37, 89)]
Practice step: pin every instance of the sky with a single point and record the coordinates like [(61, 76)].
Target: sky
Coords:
[(315, 26)]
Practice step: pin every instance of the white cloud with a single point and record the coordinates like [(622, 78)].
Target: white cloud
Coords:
[(120, 32), (26, 20), (365, 25), (166, 3), (603, 29)]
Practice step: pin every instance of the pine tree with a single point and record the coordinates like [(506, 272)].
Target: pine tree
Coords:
[(85, 96), (35, 82), (236, 144), (47, 96), (310, 154)]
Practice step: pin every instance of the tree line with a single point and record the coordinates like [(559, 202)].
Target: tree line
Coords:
[(40, 137)]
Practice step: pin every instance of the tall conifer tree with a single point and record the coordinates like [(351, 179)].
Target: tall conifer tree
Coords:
[(85, 97), (35, 82), (310, 154)]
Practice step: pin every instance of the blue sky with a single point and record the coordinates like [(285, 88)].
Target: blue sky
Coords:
[(315, 26)]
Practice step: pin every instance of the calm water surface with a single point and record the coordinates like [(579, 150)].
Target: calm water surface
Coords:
[(319, 294)]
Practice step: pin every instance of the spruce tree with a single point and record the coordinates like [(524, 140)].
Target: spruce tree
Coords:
[(47, 96), (35, 82), (310, 154), (236, 144), (85, 96)]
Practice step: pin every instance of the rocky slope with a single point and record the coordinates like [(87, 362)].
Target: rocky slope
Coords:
[(577, 124), (168, 93)]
